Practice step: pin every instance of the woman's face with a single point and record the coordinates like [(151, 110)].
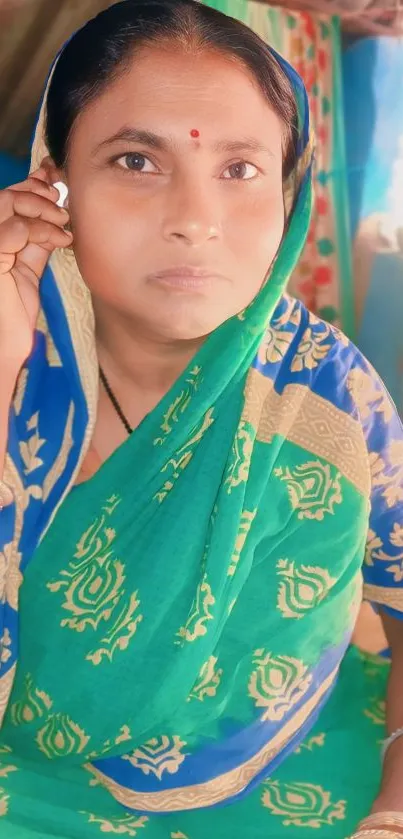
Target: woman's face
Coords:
[(146, 197)]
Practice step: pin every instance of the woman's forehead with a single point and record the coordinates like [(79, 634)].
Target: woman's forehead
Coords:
[(172, 91)]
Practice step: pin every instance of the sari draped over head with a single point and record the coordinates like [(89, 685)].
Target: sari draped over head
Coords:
[(194, 599)]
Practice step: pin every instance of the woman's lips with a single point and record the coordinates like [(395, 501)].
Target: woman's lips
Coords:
[(186, 278)]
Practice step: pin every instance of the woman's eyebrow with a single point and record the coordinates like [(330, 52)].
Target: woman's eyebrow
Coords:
[(135, 135), (243, 144), (149, 138)]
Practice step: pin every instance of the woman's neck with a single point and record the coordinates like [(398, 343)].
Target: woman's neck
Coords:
[(140, 370), (140, 361)]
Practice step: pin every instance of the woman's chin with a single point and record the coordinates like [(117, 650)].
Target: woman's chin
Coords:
[(188, 332), (188, 325)]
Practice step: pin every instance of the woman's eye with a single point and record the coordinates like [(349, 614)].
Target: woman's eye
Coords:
[(240, 171), (136, 162)]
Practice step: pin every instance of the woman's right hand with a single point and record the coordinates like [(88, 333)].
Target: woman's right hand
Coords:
[(31, 227)]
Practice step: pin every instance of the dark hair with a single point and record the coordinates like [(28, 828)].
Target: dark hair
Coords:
[(99, 52)]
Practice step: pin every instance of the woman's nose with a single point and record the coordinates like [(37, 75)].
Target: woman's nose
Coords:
[(192, 214)]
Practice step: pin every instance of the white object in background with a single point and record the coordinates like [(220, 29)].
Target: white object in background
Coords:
[(63, 193), (394, 221)]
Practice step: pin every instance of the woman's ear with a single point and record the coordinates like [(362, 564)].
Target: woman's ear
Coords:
[(53, 173), (56, 177)]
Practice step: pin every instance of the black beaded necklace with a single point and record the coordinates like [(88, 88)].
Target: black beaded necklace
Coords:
[(114, 401)]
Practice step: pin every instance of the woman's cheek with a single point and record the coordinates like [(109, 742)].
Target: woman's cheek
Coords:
[(260, 234)]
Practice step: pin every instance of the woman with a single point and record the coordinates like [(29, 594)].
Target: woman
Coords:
[(192, 533)]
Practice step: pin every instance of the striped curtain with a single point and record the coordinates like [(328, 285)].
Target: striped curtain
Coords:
[(323, 279)]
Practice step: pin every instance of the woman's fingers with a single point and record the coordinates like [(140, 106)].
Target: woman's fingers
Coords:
[(30, 205), (17, 232), (39, 187)]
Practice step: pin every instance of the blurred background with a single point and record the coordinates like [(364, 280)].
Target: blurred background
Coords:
[(350, 54)]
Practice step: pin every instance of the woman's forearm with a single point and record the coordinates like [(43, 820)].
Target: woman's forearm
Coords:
[(8, 378), (391, 793)]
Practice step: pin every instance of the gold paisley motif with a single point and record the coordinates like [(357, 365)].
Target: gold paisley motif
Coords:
[(376, 711), (396, 539), (397, 571), (367, 396), (396, 535), (179, 406), (274, 346), (4, 799), (245, 525), (311, 350), (52, 355), (20, 389), (178, 836), (290, 314), (393, 489), (124, 734), (10, 575), (377, 466), (122, 737), (60, 736), (118, 825), (242, 448), (176, 465), (277, 683), (94, 591), (30, 448), (120, 634), (200, 613), (22, 494), (375, 550), (159, 755), (302, 805), (388, 477), (3, 569), (313, 489), (6, 768), (5, 644), (208, 681), (373, 544), (34, 704), (301, 588), (6, 683), (392, 493), (317, 740)]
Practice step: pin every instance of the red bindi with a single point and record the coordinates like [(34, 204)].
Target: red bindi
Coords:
[(195, 133)]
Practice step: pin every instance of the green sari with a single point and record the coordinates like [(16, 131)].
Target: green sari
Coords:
[(177, 663)]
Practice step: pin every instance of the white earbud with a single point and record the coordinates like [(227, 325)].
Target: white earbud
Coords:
[(63, 193)]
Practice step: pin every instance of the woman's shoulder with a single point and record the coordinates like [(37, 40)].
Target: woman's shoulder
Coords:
[(302, 351), (295, 331)]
